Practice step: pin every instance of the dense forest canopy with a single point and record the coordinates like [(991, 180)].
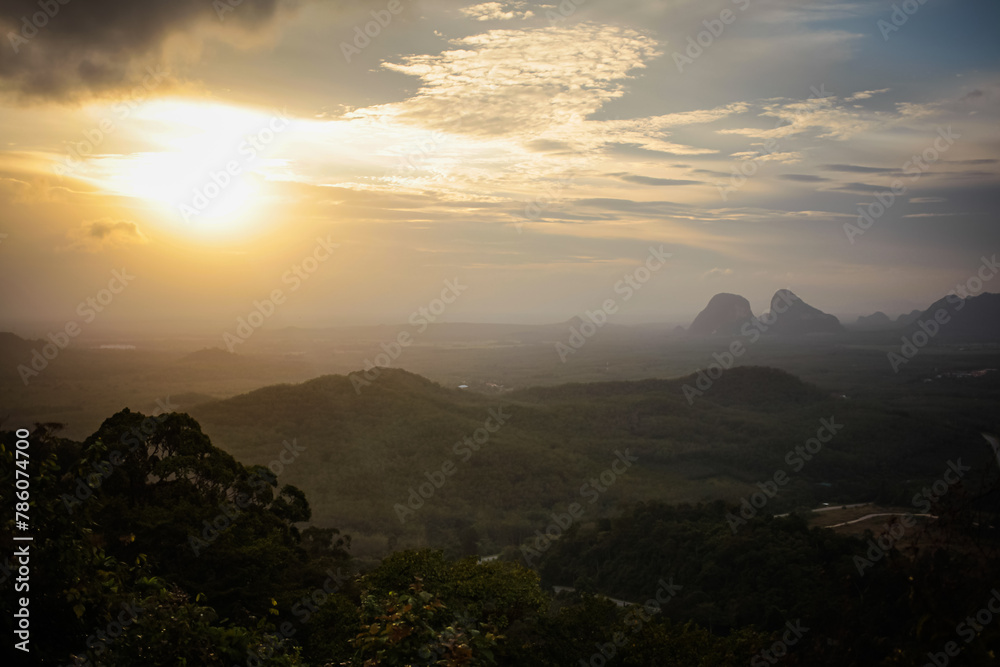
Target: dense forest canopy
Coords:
[(154, 546)]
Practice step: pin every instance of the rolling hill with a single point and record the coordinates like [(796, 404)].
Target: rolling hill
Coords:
[(364, 454)]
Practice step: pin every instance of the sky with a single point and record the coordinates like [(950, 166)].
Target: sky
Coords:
[(348, 159)]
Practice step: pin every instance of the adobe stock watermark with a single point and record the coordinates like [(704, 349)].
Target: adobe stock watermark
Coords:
[(591, 489), (746, 169), (565, 9), (701, 42), (88, 309), (413, 155), (30, 26), (915, 167), (303, 611), (967, 630), (230, 511), (753, 330), (779, 649), (634, 619), (923, 500), (295, 276), (931, 327), (901, 13), (87, 486), (796, 460), (534, 208), (78, 152), (218, 181), (464, 448), (420, 319), (223, 7), (99, 641), (363, 35), (630, 283)]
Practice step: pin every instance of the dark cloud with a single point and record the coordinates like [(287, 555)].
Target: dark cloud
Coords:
[(981, 161), (861, 188), (97, 234), (94, 47), (648, 180), (966, 174), (103, 229), (548, 146), (630, 206), (618, 149), (803, 178), (857, 169)]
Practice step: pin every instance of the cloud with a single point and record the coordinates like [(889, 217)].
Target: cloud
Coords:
[(539, 83), (977, 161), (548, 146), (701, 115), (803, 178), (647, 180), (97, 47), (782, 12), (23, 185), (497, 11), (927, 200), (830, 117), (96, 235), (861, 188), (858, 169), (758, 156), (717, 273), (865, 94)]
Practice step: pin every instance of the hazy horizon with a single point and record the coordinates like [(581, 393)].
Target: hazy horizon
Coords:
[(535, 153)]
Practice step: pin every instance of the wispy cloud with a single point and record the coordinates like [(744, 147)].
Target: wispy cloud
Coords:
[(497, 11)]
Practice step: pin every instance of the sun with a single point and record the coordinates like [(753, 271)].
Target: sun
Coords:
[(203, 167)]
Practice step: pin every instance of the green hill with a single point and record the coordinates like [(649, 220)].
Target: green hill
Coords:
[(362, 457)]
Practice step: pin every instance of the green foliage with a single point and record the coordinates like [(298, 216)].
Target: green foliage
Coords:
[(770, 572), (418, 628), (112, 575), (500, 593), (369, 453), (116, 580)]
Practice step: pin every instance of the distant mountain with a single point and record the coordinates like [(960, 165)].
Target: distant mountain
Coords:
[(875, 321), (369, 454), (972, 320), (724, 315), (879, 321), (13, 348), (794, 317)]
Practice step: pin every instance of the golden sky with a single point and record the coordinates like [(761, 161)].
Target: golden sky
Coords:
[(533, 151)]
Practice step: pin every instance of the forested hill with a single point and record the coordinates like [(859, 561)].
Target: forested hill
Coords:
[(150, 546), (363, 450)]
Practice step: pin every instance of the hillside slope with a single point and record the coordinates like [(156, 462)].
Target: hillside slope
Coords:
[(360, 457)]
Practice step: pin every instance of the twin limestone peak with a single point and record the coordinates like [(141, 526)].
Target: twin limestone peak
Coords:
[(793, 316), (726, 314)]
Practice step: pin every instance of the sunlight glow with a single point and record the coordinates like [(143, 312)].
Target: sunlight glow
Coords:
[(206, 166)]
